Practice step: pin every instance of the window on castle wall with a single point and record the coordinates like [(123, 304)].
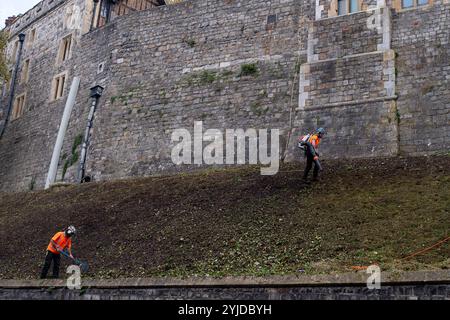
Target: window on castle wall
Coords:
[(59, 83), (104, 10), (65, 50), (102, 14), (342, 7), (19, 105), (5, 88), (25, 71), (348, 6), (14, 53), (31, 38), (8, 85), (354, 6), (406, 4), (123, 7)]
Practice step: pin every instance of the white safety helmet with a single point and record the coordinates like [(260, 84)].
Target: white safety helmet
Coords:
[(71, 230)]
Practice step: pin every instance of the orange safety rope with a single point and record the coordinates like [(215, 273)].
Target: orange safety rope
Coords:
[(426, 249), (357, 268)]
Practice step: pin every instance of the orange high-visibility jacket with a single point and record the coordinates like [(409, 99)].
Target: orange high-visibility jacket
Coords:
[(61, 240), (314, 140)]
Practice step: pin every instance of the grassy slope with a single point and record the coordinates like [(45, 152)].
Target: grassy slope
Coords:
[(237, 222)]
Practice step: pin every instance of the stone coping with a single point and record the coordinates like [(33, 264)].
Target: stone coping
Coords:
[(349, 279)]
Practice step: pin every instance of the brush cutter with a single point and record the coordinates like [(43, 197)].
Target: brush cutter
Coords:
[(82, 264)]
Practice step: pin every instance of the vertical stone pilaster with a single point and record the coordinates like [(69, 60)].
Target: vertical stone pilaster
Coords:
[(304, 83), (395, 138), (389, 72), (385, 29), (312, 57)]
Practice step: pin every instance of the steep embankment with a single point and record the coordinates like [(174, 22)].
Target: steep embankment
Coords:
[(237, 222)]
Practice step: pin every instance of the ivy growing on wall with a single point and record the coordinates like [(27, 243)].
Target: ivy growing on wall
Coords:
[(190, 42), (75, 155), (4, 74), (32, 184), (250, 69)]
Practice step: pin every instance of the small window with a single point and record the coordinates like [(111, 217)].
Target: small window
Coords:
[(59, 83), (8, 86), (342, 7), (104, 11), (5, 88), (347, 6), (19, 104), (31, 37), (406, 4), (102, 15), (101, 67), (65, 50), (14, 53), (272, 19), (354, 6), (25, 71)]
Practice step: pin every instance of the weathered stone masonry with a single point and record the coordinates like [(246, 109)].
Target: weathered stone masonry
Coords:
[(378, 80), (26, 147), (433, 285), (348, 84)]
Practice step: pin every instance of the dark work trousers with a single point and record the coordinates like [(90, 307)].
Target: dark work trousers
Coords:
[(310, 154), (56, 258)]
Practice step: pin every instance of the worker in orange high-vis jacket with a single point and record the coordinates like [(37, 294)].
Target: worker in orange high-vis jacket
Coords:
[(312, 156), (60, 241)]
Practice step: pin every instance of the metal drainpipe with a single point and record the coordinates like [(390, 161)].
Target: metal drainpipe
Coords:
[(13, 84), (96, 93), (93, 14)]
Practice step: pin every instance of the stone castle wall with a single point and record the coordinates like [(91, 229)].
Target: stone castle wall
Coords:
[(169, 66), (421, 41), (171, 77), (27, 145)]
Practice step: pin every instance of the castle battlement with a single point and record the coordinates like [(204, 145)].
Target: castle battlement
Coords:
[(39, 11)]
